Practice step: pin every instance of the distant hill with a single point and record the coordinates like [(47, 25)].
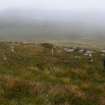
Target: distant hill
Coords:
[(32, 25)]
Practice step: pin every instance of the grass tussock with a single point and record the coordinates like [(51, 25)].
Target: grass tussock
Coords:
[(33, 75)]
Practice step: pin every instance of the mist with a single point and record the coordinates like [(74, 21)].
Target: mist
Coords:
[(34, 24)]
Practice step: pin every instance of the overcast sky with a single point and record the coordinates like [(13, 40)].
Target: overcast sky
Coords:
[(54, 4)]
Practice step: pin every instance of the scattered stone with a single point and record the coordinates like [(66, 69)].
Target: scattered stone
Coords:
[(102, 54), (5, 58), (81, 51), (68, 50), (12, 49), (88, 53), (85, 54), (102, 51)]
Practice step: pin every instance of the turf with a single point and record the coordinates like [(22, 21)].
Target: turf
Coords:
[(31, 75)]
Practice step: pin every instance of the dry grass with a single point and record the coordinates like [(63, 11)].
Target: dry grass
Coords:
[(32, 76)]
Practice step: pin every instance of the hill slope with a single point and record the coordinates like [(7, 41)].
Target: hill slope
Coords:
[(31, 75)]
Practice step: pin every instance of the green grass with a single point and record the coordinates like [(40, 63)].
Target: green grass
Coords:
[(32, 76)]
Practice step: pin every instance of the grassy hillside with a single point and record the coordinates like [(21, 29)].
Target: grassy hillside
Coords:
[(31, 75)]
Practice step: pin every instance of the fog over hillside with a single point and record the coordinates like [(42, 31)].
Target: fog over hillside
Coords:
[(18, 24)]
